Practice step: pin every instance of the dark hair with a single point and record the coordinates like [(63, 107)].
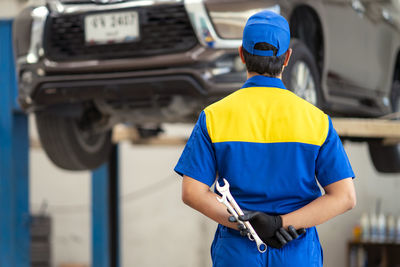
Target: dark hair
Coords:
[(269, 66)]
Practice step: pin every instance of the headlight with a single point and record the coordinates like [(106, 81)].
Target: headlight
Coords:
[(229, 19), (22, 27), (226, 69)]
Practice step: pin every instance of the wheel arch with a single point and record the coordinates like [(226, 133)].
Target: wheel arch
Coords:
[(394, 93), (396, 67), (386, 158), (303, 18)]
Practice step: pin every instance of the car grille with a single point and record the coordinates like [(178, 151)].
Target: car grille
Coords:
[(76, 1), (164, 29), (100, 2)]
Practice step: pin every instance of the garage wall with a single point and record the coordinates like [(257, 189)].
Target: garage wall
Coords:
[(65, 196), (157, 229), (9, 8), (370, 186)]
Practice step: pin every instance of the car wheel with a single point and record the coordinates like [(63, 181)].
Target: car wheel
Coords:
[(301, 75), (386, 158), (68, 145)]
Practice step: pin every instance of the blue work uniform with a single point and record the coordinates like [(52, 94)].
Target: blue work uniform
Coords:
[(272, 147)]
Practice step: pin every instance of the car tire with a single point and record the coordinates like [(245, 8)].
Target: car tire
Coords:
[(386, 158), (70, 147), (302, 65)]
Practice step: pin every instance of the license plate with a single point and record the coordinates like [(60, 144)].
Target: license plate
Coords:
[(107, 28)]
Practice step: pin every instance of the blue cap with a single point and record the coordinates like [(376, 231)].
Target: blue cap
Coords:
[(266, 27)]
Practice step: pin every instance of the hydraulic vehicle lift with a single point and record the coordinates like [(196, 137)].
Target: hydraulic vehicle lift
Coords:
[(360, 129), (14, 179), (14, 166)]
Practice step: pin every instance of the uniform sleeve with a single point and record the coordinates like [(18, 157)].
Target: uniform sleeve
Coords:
[(198, 157), (332, 163)]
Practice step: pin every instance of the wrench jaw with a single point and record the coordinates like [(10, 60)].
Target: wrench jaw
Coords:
[(223, 189), (221, 199), (231, 210)]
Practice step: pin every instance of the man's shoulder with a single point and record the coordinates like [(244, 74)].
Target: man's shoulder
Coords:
[(255, 95), (227, 102), (304, 104), (261, 98)]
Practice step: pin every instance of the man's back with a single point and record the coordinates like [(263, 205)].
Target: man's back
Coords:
[(266, 142), (271, 146), (266, 115)]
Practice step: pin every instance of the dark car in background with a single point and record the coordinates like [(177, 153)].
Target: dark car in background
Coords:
[(84, 66)]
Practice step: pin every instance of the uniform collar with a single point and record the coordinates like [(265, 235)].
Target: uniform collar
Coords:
[(264, 81)]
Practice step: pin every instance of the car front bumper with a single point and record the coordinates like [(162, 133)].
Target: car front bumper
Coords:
[(44, 81)]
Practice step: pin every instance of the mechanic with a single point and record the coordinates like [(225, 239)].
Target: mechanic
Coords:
[(272, 147)]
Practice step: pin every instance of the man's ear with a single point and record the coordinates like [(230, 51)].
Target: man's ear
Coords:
[(287, 58), (241, 54)]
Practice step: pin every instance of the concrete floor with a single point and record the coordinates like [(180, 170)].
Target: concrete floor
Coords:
[(157, 228)]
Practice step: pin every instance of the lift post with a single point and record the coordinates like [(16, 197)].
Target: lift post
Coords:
[(14, 179), (14, 157), (105, 213)]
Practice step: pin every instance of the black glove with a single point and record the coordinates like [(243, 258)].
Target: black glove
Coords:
[(265, 225), (278, 239), (283, 236)]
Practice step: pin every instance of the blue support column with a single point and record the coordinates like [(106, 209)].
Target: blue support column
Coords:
[(14, 152), (105, 213)]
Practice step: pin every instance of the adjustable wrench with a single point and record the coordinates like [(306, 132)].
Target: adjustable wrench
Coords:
[(228, 200)]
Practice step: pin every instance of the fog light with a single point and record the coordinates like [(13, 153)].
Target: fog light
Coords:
[(28, 100), (27, 77), (228, 69), (239, 65), (40, 72)]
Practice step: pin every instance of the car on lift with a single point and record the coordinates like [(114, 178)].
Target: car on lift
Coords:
[(86, 65)]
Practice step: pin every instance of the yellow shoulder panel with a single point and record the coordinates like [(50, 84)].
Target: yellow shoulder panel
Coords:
[(266, 115)]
